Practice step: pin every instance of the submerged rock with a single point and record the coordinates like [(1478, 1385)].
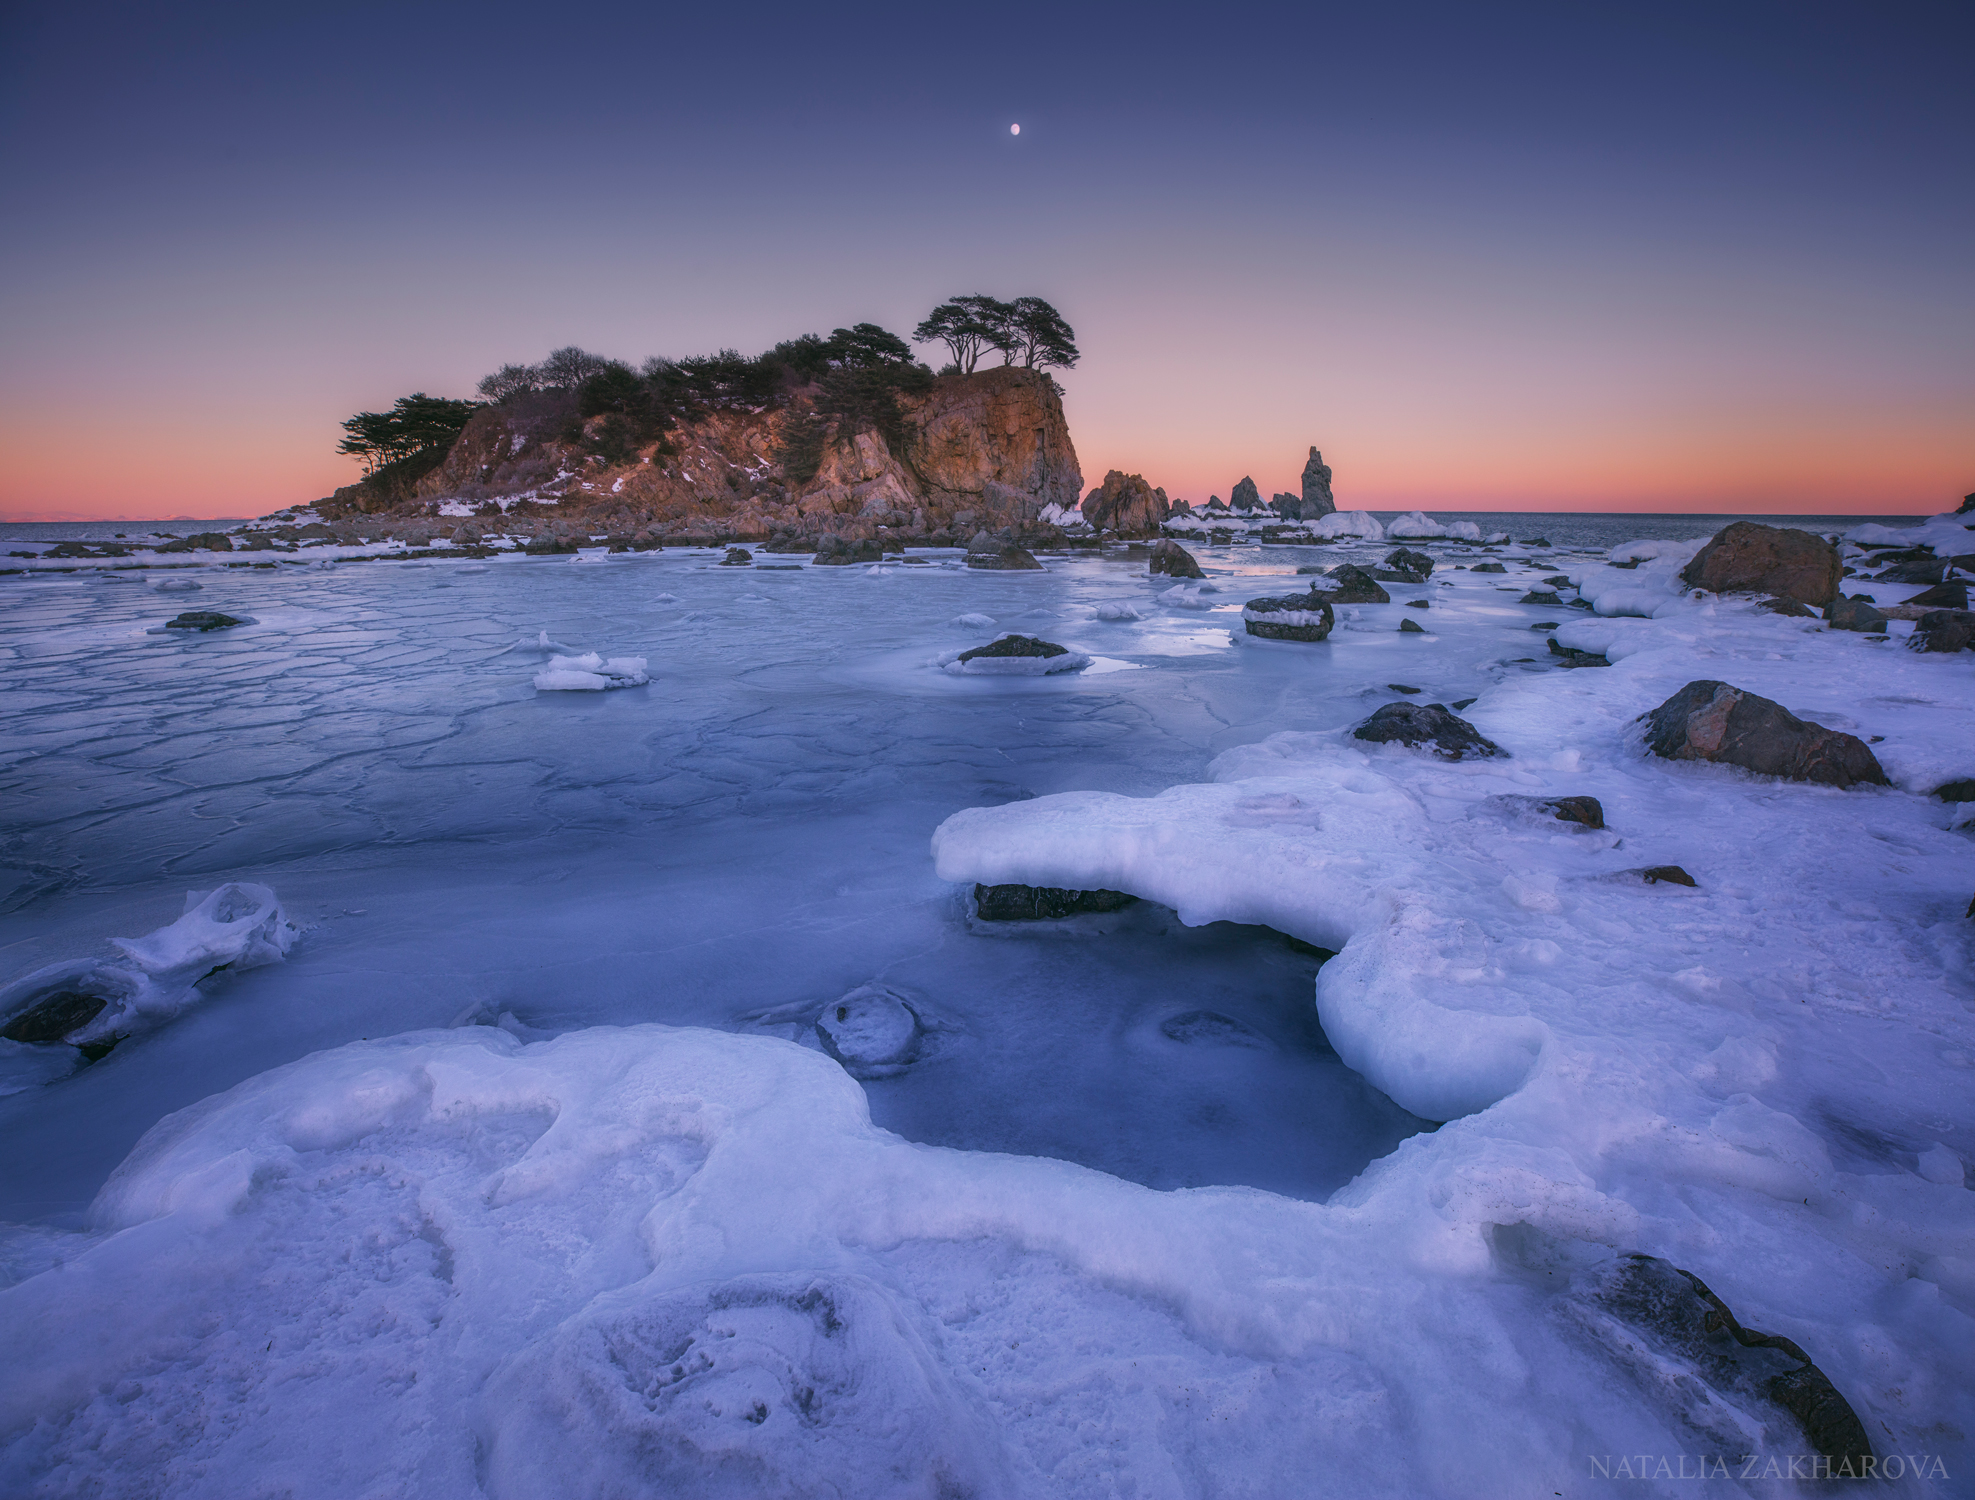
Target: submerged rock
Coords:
[(1572, 657), (203, 619), (1427, 726), (50, 1017), (1017, 656), (1713, 721), (1768, 560), (1039, 903), (1173, 560), (1943, 630), (1289, 617), (1586, 810)]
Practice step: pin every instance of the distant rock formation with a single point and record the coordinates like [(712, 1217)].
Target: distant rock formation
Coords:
[(1127, 505), (987, 450), (1317, 498), (1245, 496)]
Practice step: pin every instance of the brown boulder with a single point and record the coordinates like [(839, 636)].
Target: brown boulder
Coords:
[(1170, 558), (1943, 630), (1767, 560), (1716, 722), (1127, 505)]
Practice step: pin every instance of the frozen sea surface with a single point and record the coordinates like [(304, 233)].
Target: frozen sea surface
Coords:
[(533, 1173)]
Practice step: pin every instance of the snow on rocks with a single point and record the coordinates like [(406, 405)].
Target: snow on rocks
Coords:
[(590, 673), (1426, 726), (1348, 524), (1014, 655), (91, 1005), (1289, 617)]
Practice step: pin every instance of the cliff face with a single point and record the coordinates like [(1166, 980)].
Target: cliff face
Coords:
[(987, 450)]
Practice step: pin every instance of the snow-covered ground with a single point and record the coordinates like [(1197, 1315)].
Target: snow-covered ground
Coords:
[(532, 1167)]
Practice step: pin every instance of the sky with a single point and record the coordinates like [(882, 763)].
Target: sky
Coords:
[(1571, 256)]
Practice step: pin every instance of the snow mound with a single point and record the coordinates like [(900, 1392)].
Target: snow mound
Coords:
[(1189, 595), (1352, 523), (590, 673), (177, 585), (973, 622), (1414, 525), (1116, 609), (1948, 534)]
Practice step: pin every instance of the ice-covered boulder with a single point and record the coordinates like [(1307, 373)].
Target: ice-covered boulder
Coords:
[(93, 1004), (590, 673), (1173, 560), (1350, 584), (874, 1031), (1015, 655), (1289, 617), (1427, 726), (1713, 721), (1748, 556), (1408, 566)]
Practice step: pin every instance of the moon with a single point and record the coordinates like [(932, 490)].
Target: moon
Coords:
[(1014, 130)]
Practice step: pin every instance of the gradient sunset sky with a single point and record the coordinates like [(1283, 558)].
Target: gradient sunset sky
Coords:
[(1708, 257)]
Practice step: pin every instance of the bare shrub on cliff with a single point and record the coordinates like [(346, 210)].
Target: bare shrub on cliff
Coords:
[(508, 382)]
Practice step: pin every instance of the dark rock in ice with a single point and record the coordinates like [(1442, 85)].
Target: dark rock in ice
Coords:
[(1943, 630), (1950, 595), (1351, 584), (1962, 790), (737, 557), (1777, 604), (1036, 903), (1173, 560), (1561, 581), (1717, 1363), (1570, 656), (1461, 703), (1586, 810), (1419, 604), (1401, 687), (1540, 596), (549, 546), (1546, 625), (1577, 604), (833, 551), (1212, 1029), (1002, 556), (1015, 645), (1748, 556), (1855, 613), (1671, 874), (1534, 541), (1412, 566), (1427, 726), (50, 1017), (1289, 617), (1713, 721), (202, 620), (1919, 570), (1411, 627), (1490, 567), (1625, 567)]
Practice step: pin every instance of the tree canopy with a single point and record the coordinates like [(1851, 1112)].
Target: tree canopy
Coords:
[(416, 425), (1028, 328)]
